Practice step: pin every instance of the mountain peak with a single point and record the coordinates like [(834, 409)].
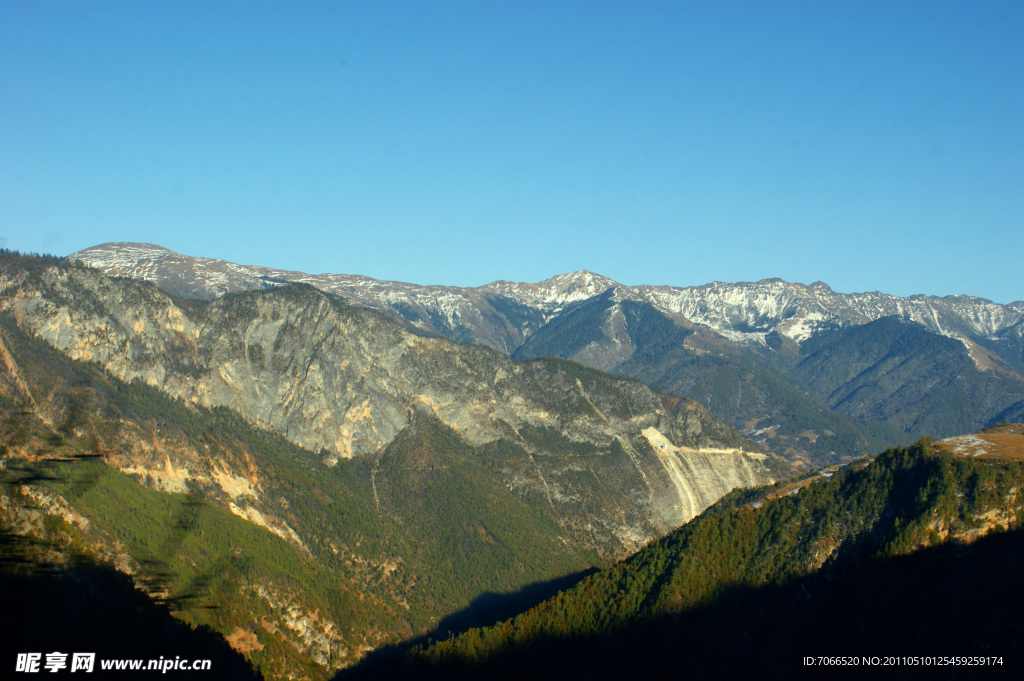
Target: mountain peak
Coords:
[(579, 281), (122, 250)]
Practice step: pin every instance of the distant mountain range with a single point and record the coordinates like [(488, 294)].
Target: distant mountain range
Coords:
[(811, 374)]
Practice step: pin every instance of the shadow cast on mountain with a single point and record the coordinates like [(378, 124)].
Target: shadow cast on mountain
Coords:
[(485, 610), (489, 608), (892, 617), (80, 474), (83, 607)]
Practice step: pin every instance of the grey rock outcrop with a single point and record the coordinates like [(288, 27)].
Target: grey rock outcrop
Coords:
[(346, 381)]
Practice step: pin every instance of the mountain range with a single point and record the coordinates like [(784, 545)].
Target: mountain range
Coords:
[(313, 473), (311, 479), (811, 374)]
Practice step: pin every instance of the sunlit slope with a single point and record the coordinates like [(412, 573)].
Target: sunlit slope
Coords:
[(345, 382)]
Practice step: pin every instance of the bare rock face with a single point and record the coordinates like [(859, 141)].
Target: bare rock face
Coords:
[(345, 382)]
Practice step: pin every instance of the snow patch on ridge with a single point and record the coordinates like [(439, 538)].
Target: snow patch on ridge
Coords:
[(744, 313), (969, 445)]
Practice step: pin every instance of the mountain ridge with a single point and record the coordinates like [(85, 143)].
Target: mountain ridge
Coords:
[(741, 349), (746, 313), (346, 381), (126, 259)]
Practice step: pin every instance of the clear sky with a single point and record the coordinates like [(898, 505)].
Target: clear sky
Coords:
[(870, 145)]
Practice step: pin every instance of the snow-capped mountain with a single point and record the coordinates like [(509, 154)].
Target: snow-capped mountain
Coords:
[(745, 313), (807, 371)]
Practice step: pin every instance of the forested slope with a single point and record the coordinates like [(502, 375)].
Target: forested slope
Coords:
[(884, 558)]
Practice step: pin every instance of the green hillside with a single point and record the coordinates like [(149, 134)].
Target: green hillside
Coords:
[(880, 559)]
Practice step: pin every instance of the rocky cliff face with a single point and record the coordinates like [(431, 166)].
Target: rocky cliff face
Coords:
[(345, 382), (432, 472)]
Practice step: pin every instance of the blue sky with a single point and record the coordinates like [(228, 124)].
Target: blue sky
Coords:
[(870, 145)]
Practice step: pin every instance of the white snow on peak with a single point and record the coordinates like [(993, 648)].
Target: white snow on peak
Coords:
[(743, 312), (552, 294)]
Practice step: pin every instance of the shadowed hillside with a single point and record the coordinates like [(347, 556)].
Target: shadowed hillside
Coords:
[(79, 606), (952, 600)]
